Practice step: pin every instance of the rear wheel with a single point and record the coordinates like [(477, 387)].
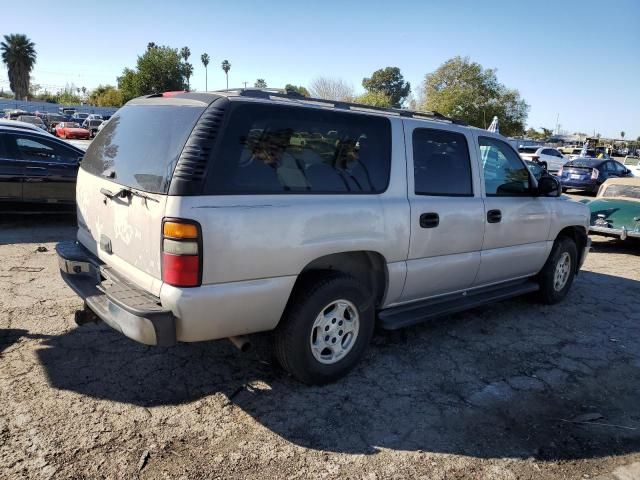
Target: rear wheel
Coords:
[(558, 272), (325, 329)]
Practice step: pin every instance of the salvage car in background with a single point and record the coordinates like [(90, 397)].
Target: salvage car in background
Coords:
[(36, 167), (33, 120), (92, 125), (72, 130), (633, 164), (615, 212), (587, 174), (550, 158)]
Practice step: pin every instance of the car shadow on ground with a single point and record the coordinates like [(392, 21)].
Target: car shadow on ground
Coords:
[(17, 225), (514, 379)]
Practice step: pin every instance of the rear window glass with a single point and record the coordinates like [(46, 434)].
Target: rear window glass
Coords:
[(279, 149), (441, 163), (140, 145), (528, 149)]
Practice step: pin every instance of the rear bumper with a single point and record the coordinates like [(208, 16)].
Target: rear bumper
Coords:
[(621, 233), (126, 308), (580, 185)]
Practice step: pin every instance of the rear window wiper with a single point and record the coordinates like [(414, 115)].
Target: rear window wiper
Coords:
[(126, 193)]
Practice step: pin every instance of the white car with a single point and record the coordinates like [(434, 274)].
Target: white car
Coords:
[(633, 164), (548, 156), (94, 116)]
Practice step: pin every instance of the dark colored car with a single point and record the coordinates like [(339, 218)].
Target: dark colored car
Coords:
[(36, 167), (588, 174), (51, 120)]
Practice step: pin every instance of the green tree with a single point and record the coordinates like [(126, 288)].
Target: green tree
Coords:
[(375, 99), (260, 83), (226, 66), (19, 55), (546, 132), (158, 70), (293, 88), (390, 82), (106, 96), (622, 135), (467, 91), (185, 53), (205, 59)]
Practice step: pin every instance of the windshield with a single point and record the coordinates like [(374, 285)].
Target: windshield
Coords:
[(140, 145), (627, 191)]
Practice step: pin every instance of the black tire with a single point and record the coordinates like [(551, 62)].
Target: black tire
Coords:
[(292, 339), (549, 293), (564, 189)]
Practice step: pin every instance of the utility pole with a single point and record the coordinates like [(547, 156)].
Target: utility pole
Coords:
[(557, 125), (245, 84)]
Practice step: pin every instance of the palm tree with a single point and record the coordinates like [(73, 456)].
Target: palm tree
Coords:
[(185, 53), (226, 66), (19, 55), (205, 61)]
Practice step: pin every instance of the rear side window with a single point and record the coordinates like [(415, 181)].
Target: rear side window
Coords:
[(441, 163), (140, 145), (278, 149)]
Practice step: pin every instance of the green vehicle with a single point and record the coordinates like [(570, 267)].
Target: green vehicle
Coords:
[(615, 212)]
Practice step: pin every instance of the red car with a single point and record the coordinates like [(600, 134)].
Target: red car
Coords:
[(72, 130)]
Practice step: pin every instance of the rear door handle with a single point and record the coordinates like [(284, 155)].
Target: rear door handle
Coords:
[(494, 216), (35, 168), (429, 220)]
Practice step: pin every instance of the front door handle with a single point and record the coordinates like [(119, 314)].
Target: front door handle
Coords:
[(494, 216), (429, 220)]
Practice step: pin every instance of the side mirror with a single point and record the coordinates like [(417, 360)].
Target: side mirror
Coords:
[(549, 186), (80, 160)]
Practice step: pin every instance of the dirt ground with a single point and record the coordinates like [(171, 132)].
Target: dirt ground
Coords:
[(509, 391)]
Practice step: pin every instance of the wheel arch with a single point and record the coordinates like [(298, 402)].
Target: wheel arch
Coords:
[(579, 236), (366, 266)]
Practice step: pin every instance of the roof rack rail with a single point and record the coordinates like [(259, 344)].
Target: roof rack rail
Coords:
[(268, 93)]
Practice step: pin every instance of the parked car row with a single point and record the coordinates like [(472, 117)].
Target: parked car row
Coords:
[(36, 167), (49, 121)]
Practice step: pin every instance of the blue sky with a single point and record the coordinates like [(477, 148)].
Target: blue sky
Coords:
[(576, 59)]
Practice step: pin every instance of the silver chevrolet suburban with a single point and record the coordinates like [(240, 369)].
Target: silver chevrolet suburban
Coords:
[(217, 215)]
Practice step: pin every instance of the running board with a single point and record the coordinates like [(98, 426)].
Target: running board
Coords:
[(405, 315)]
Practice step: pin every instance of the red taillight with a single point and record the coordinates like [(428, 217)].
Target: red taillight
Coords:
[(181, 270), (594, 174), (181, 253), (172, 94)]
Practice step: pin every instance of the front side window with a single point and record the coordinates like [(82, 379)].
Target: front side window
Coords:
[(504, 172), (280, 149), (40, 150), (441, 163)]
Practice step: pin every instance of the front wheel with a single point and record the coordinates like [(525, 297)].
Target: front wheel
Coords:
[(558, 272), (325, 329)]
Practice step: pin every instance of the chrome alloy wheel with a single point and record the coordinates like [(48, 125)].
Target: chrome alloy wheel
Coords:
[(562, 271), (334, 332)]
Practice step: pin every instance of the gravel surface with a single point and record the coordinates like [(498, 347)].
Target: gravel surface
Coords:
[(511, 390)]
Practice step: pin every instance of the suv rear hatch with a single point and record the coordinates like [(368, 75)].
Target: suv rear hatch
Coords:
[(123, 183)]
